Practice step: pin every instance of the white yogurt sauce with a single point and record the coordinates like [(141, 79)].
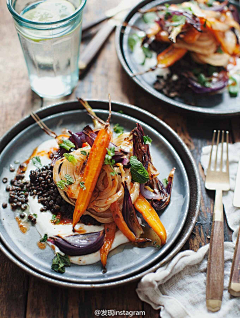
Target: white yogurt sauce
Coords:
[(44, 224)]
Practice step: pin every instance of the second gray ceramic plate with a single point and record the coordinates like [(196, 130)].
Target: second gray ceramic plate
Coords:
[(24, 137)]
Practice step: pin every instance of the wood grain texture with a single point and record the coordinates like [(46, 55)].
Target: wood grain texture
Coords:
[(23, 296), (234, 282), (215, 268)]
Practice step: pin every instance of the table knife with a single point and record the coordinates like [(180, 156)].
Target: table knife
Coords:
[(122, 6), (100, 38), (234, 282)]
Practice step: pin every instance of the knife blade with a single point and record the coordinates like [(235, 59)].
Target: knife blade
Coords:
[(236, 197), (122, 6)]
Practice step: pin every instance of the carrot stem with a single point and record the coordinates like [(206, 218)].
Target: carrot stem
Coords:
[(151, 217)]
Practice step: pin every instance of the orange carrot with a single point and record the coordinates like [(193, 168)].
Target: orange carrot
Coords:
[(110, 230), (151, 217), (171, 55), (121, 224), (91, 172)]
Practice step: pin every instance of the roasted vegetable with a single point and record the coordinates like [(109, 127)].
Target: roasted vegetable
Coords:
[(110, 230)]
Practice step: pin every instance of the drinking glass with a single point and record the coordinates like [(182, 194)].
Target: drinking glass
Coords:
[(50, 49)]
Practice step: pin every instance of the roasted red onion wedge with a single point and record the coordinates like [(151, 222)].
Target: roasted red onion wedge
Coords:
[(129, 214), (79, 244)]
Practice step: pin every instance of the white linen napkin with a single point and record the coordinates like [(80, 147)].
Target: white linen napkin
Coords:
[(179, 287)]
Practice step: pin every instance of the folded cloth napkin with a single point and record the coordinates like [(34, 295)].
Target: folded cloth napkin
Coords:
[(179, 287)]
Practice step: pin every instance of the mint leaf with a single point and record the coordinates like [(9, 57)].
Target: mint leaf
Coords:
[(82, 185), (71, 158), (44, 238), (69, 179), (37, 162), (178, 20), (133, 40), (233, 87), (67, 144), (147, 140), (118, 129), (59, 263), (165, 182), (61, 184), (55, 219), (138, 172)]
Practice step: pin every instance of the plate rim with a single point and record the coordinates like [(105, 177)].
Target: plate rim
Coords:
[(161, 97), (48, 111)]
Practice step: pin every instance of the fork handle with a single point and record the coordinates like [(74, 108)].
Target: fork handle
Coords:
[(234, 283), (215, 268)]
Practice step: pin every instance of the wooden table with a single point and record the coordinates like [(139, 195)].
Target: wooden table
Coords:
[(25, 296)]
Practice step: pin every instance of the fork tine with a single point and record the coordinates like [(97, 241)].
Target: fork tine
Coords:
[(218, 136), (221, 164), (227, 163), (210, 158)]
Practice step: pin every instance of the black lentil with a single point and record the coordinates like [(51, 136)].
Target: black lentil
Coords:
[(4, 205), (4, 180), (11, 168)]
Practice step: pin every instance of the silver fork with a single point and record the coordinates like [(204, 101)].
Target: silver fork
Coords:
[(218, 180)]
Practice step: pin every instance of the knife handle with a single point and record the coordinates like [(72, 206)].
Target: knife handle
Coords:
[(234, 282), (88, 25), (95, 45), (215, 268)]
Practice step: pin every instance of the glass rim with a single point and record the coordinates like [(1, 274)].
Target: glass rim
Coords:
[(19, 17)]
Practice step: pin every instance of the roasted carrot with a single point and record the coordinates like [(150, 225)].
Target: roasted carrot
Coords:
[(110, 230), (169, 56), (121, 224), (91, 172), (151, 217)]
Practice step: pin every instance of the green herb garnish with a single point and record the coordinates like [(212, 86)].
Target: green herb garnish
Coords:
[(35, 215), (67, 144), (202, 80), (149, 17), (233, 87), (165, 182), (55, 219), (37, 162), (118, 129), (178, 20), (61, 184), (219, 50), (138, 172), (59, 263), (209, 3), (133, 40), (83, 152), (147, 140), (44, 238), (109, 160), (82, 185), (211, 69), (69, 179), (71, 158)]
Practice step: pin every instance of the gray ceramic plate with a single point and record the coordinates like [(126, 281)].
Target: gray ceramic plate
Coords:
[(218, 104), (18, 144)]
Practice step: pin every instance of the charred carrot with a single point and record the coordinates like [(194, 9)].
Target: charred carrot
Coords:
[(122, 225), (110, 230), (169, 56), (91, 172), (151, 217)]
